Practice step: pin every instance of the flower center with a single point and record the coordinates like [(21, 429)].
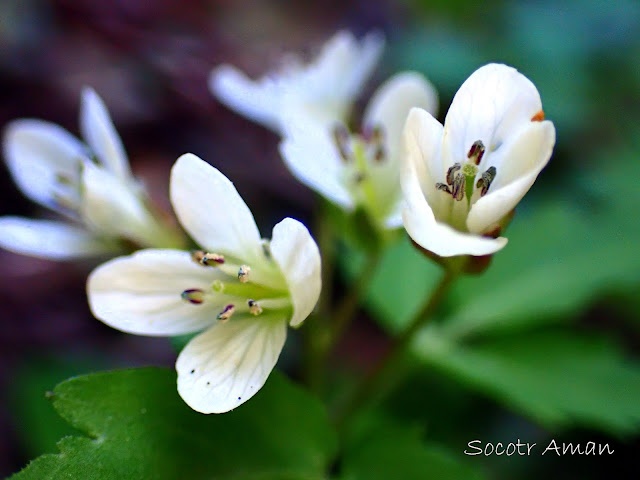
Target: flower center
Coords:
[(365, 157), (237, 290), (67, 191), (461, 178)]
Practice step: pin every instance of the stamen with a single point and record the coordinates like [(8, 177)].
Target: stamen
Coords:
[(266, 248), (359, 177), (379, 154), (538, 117), (485, 181), (207, 259), (225, 314), (64, 179), (193, 295), (243, 273), (451, 172), (254, 308), (342, 139), (458, 187), (442, 186), (476, 152)]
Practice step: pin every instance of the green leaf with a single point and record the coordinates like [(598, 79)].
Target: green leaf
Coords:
[(558, 378), (556, 264), (137, 427), (392, 452)]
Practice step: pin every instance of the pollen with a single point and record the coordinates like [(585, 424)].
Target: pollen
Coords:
[(254, 308), (243, 273), (226, 314), (207, 259)]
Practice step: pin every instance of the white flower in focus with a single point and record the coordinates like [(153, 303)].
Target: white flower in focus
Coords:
[(241, 290), (321, 91), (89, 184), (361, 169), (461, 181)]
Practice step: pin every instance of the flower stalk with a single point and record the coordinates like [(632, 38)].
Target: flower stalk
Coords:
[(368, 387)]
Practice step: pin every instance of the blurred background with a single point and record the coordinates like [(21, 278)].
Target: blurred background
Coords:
[(573, 248)]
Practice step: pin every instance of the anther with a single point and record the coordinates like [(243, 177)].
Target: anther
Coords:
[(485, 181), (451, 172), (64, 179), (341, 138), (457, 191), (476, 152), (266, 248), (442, 186), (254, 308), (359, 177), (207, 259), (193, 295), (225, 314), (243, 273), (379, 154)]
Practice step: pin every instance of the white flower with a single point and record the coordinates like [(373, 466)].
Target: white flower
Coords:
[(462, 181), (322, 90), (242, 291), (90, 184), (361, 170)]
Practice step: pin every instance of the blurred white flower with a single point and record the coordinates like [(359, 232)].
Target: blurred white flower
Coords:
[(462, 181), (89, 184), (361, 169), (242, 290), (321, 91)]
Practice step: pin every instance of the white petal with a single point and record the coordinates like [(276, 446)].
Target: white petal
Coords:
[(390, 105), (100, 134), (49, 239), (421, 166), (298, 257), (394, 219), (493, 103), (141, 293), (37, 153), (114, 207), (211, 210), (443, 240), (344, 65), (257, 100), (320, 92), (526, 157), (312, 158), (227, 365)]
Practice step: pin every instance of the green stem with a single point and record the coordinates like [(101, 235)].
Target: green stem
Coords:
[(367, 387), (345, 311), (315, 331)]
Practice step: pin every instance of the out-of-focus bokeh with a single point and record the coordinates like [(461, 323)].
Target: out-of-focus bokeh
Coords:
[(149, 60)]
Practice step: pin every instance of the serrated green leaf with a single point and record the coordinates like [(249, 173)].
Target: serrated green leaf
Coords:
[(557, 378), (137, 427)]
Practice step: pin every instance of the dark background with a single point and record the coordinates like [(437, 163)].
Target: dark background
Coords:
[(149, 60)]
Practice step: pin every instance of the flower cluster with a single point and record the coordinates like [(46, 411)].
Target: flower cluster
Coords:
[(453, 186), (89, 184), (310, 105)]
